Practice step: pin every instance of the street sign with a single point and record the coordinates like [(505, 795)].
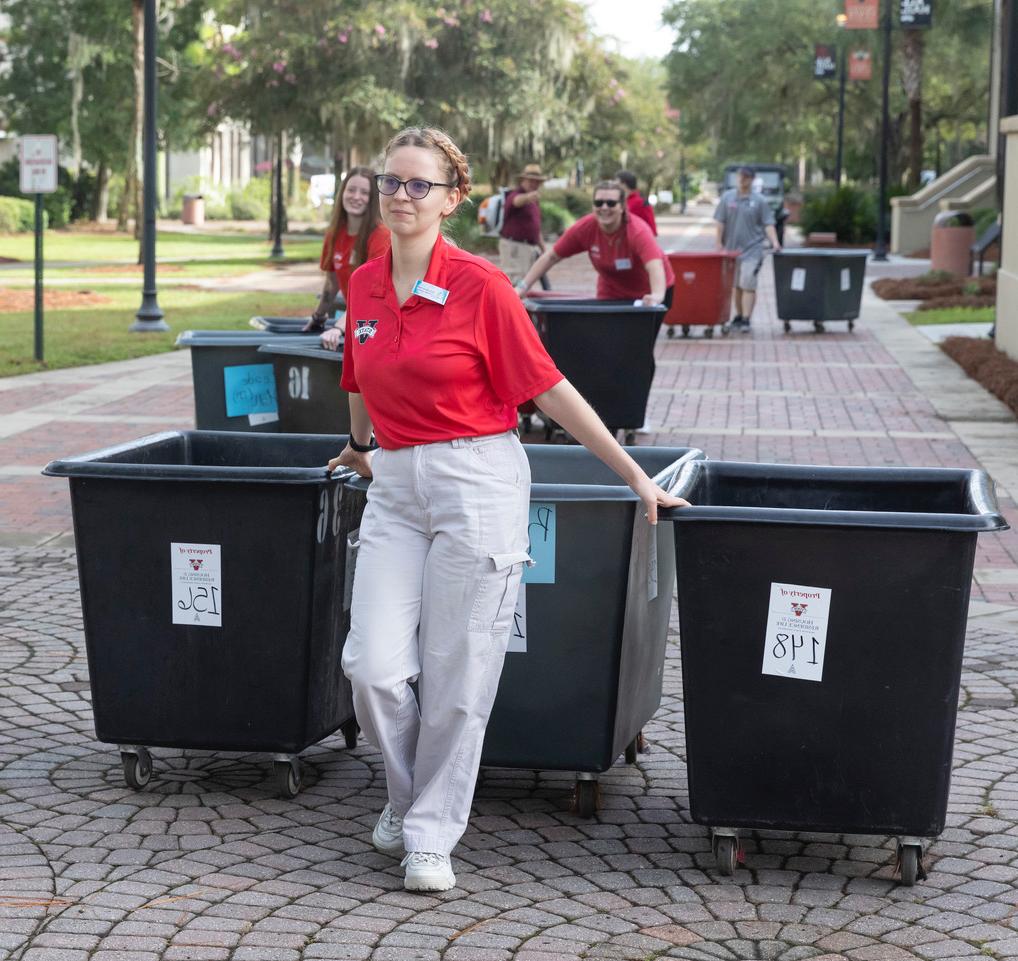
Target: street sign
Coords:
[(860, 65), (38, 155), (916, 13), (862, 14), (825, 61)]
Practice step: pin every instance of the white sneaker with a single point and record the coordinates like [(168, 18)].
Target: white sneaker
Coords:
[(428, 872), (388, 834)]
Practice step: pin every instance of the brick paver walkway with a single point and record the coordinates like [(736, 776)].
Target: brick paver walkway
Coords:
[(208, 864)]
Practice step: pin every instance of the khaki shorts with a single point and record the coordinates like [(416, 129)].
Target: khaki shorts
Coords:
[(516, 258), (749, 269)]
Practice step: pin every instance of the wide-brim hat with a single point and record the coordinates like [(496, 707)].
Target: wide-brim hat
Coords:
[(531, 172)]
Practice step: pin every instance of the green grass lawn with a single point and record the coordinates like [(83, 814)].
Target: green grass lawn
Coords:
[(97, 247), (952, 315), (173, 273), (96, 334)]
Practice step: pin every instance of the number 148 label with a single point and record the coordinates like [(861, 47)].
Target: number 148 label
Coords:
[(796, 638)]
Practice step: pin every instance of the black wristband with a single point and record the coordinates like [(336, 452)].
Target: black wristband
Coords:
[(362, 448)]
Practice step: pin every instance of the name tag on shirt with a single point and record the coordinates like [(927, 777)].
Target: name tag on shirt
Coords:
[(438, 295), (623, 263)]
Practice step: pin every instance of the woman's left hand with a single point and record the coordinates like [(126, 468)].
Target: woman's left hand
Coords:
[(654, 497), (649, 300)]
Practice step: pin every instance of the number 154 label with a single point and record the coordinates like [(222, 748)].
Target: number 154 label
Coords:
[(797, 631), (196, 584)]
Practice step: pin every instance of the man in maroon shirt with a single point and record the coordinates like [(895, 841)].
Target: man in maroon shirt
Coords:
[(635, 203), (520, 242)]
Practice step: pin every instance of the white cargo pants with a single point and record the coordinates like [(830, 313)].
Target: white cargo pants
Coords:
[(443, 542)]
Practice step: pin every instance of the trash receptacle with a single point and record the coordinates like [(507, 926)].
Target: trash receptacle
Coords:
[(822, 618), (234, 388), (606, 350), (308, 392), (819, 285), (952, 235), (586, 656), (212, 568), (703, 290), (193, 210), (290, 325)]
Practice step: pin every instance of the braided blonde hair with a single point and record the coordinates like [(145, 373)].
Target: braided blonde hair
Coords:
[(440, 143)]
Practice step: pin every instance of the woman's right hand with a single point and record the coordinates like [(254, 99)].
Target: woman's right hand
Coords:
[(355, 460), (331, 338)]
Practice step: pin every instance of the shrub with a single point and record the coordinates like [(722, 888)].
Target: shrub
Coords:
[(251, 202), (57, 204), (463, 230), (574, 199), (848, 212), (983, 217), (555, 218), (17, 216)]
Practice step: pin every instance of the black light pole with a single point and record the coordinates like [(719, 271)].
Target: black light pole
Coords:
[(277, 230), (841, 101), (880, 251), (149, 316)]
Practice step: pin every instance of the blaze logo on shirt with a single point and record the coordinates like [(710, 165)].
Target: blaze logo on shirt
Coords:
[(365, 329), (196, 562), (799, 609)]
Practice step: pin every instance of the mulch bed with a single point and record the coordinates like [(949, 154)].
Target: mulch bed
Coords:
[(917, 288), (15, 301), (985, 364)]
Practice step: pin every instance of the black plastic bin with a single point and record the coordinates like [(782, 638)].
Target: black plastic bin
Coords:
[(260, 670), (586, 657), (605, 348), (822, 614), (290, 325), (819, 285), (234, 388), (308, 391)]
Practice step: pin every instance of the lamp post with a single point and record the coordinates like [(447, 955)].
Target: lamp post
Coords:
[(149, 316), (842, 20), (880, 251), (277, 228)]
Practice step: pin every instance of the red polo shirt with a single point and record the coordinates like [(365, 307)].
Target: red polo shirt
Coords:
[(337, 253), (430, 372), (618, 258)]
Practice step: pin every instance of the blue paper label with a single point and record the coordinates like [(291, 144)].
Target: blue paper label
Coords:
[(250, 389), (541, 532)]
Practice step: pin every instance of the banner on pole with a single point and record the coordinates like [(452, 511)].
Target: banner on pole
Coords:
[(825, 61), (862, 14), (860, 65), (916, 13)]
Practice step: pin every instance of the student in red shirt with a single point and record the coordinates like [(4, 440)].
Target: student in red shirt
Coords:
[(629, 263), (355, 235), (438, 353), (635, 204)]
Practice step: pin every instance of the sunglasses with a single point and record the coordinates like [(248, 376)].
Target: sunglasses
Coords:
[(606, 203), (416, 189)]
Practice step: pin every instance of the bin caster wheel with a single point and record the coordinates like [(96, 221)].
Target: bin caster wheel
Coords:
[(725, 330), (671, 332), (288, 780), (137, 768), (350, 731), (708, 332), (685, 330), (788, 326), (910, 864), (726, 852), (851, 326), (586, 797), (641, 743), (818, 326), (632, 750), (528, 423), (630, 438)]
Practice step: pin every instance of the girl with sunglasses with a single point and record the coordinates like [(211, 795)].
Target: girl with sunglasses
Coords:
[(355, 236), (629, 263), (438, 353)]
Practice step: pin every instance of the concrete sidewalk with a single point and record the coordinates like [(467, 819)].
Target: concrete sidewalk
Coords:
[(208, 864)]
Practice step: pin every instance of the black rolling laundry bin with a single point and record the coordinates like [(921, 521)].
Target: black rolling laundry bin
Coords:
[(605, 348), (822, 615), (819, 285), (308, 392), (153, 520), (220, 361), (590, 676)]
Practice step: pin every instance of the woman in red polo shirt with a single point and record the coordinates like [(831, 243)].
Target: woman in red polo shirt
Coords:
[(629, 263), (355, 235), (438, 353)]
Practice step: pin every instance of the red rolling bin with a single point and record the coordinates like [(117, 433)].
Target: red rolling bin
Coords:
[(703, 290)]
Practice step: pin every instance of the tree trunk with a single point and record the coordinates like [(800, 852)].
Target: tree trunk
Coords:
[(77, 95), (130, 203), (100, 211), (912, 81)]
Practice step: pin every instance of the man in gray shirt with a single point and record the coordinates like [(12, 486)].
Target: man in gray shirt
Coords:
[(743, 221)]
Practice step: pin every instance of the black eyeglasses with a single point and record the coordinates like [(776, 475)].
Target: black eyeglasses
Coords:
[(416, 189), (606, 203)]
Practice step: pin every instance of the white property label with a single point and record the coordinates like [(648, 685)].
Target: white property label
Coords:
[(846, 279), (518, 632), (798, 278), (197, 584), (796, 631)]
